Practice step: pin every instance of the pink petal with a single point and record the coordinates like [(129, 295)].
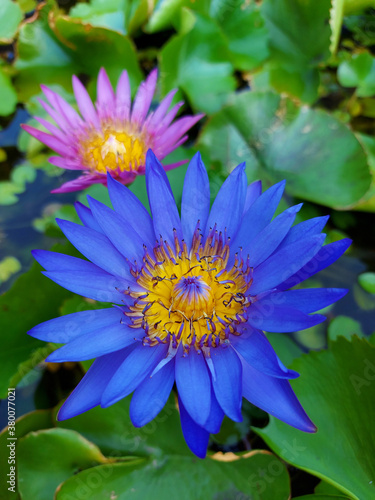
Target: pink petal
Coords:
[(80, 183), (65, 109), (176, 130), (167, 120), (59, 119), (47, 139), (162, 152), (66, 163), (143, 99), (154, 119), (123, 97), (106, 99), (53, 130), (171, 166), (85, 105), (125, 177)]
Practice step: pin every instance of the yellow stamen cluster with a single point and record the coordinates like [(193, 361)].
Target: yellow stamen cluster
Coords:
[(113, 150), (190, 297)]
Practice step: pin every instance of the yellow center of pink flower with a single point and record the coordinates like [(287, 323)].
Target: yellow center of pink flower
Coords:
[(113, 151), (190, 297)]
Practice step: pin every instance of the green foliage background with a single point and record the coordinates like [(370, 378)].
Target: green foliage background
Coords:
[(287, 86)]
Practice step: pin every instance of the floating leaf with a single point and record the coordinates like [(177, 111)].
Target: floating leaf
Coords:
[(344, 326), (324, 488), (32, 299), (10, 18), (367, 282), (199, 63), (102, 13), (358, 72), (111, 430), (335, 21), (54, 47), (8, 266), (337, 389), (37, 420), (306, 147), (9, 98), (322, 497), (299, 41), (257, 475), (48, 457)]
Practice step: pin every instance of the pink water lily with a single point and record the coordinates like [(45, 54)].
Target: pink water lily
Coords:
[(114, 134)]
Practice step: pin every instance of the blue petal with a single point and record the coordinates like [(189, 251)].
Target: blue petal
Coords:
[(228, 381), (163, 206), (69, 327), (131, 209), (254, 190), (270, 237), (193, 384), (270, 317), (151, 395), (136, 367), (54, 261), (89, 391), (98, 342), (216, 416), (304, 230), (284, 263), (97, 285), (195, 198), (227, 208), (308, 300), (255, 348), (118, 230), (324, 258), (96, 247), (275, 396), (85, 214), (259, 215), (195, 436)]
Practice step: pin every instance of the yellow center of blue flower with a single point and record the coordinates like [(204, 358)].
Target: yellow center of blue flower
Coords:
[(113, 151), (190, 297)]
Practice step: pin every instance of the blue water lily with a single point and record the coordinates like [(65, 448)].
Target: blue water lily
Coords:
[(192, 296)]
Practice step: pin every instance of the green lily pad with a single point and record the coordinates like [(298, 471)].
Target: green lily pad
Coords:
[(344, 326), (259, 476), (285, 348), (35, 421), (46, 458), (294, 144), (299, 41), (335, 21), (54, 47), (27, 5), (10, 18), (199, 63), (9, 266), (9, 98), (322, 497), (111, 429), (123, 16), (244, 28), (164, 14), (19, 178), (337, 389), (102, 13), (32, 299), (367, 282), (358, 72), (324, 488)]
